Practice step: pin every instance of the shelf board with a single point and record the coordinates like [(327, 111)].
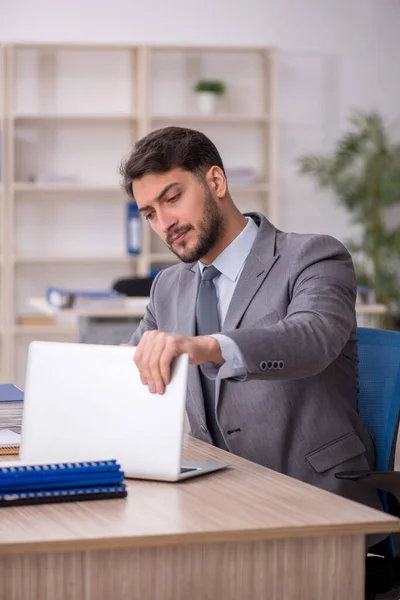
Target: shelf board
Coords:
[(205, 49), (250, 188), (371, 309), (39, 188), (36, 188), (216, 118), (56, 46), (163, 257), (52, 330), (67, 118), (20, 259)]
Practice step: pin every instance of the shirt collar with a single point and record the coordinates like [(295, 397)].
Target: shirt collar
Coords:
[(231, 260)]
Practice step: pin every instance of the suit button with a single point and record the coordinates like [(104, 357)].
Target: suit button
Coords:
[(281, 364), (270, 364), (275, 365), (263, 365)]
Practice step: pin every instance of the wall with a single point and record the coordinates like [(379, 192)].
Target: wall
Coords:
[(335, 55)]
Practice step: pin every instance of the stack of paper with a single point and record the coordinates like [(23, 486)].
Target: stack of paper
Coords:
[(11, 406), (31, 483), (83, 299)]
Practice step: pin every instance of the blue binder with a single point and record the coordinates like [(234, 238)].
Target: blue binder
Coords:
[(60, 482), (50, 496), (10, 393)]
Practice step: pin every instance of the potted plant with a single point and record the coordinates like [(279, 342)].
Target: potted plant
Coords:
[(364, 173), (207, 92)]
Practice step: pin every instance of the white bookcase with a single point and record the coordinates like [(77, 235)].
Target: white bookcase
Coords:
[(2, 217), (70, 114)]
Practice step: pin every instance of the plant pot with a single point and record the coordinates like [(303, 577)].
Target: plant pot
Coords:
[(206, 102)]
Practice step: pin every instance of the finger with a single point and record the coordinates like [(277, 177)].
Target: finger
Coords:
[(142, 352), (166, 360), (156, 385)]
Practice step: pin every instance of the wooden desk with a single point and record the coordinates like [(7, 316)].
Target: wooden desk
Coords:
[(246, 533)]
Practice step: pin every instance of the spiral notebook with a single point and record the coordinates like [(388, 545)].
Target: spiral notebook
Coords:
[(30, 483), (9, 442)]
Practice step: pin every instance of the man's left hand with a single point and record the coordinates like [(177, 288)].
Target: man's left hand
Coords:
[(157, 350)]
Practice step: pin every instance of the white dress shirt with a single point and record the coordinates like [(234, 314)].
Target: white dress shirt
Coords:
[(230, 263)]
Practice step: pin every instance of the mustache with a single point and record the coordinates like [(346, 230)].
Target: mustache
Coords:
[(177, 231)]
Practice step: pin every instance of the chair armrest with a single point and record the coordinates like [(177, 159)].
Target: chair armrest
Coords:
[(388, 481)]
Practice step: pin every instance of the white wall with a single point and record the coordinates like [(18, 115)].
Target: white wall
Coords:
[(335, 55)]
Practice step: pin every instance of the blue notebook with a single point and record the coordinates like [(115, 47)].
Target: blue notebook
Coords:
[(10, 393), (23, 483), (24, 470), (51, 496)]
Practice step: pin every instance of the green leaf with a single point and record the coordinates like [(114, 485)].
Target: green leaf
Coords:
[(363, 171)]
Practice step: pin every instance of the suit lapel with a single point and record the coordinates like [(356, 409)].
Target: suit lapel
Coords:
[(186, 325), (258, 264)]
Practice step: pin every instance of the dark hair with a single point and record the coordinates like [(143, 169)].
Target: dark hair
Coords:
[(170, 148)]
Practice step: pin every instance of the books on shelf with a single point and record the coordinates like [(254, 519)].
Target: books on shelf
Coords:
[(32, 483), (11, 406), (83, 299)]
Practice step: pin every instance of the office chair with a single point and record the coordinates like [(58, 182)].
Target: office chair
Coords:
[(379, 406)]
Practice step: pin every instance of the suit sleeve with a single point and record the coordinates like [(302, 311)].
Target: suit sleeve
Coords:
[(149, 321), (319, 320)]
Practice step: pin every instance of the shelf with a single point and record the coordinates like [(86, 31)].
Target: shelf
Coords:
[(52, 128), (163, 257), (222, 118), (52, 330), (39, 188), (56, 46), (371, 309), (89, 118), (72, 259), (251, 188), (205, 49)]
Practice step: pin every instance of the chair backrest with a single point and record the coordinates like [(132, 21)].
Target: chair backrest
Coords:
[(379, 389), (379, 401)]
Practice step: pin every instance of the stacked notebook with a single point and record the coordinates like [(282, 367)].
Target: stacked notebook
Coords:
[(9, 442), (22, 483), (11, 405)]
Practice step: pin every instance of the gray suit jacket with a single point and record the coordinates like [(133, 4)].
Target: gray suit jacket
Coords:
[(293, 317)]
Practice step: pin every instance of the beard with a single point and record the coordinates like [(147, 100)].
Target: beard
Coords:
[(211, 228)]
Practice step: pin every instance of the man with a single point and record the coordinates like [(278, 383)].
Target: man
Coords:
[(267, 319)]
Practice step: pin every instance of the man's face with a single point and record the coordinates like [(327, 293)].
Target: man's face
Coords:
[(182, 210)]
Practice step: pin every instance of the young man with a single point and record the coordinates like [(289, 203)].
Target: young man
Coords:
[(267, 319)]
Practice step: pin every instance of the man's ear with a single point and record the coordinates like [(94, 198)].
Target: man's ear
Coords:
[(217, 181)]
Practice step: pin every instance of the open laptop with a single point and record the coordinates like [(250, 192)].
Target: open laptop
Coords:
[(86, 402)]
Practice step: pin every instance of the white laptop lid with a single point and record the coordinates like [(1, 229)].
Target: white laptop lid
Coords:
[(87, 402)]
